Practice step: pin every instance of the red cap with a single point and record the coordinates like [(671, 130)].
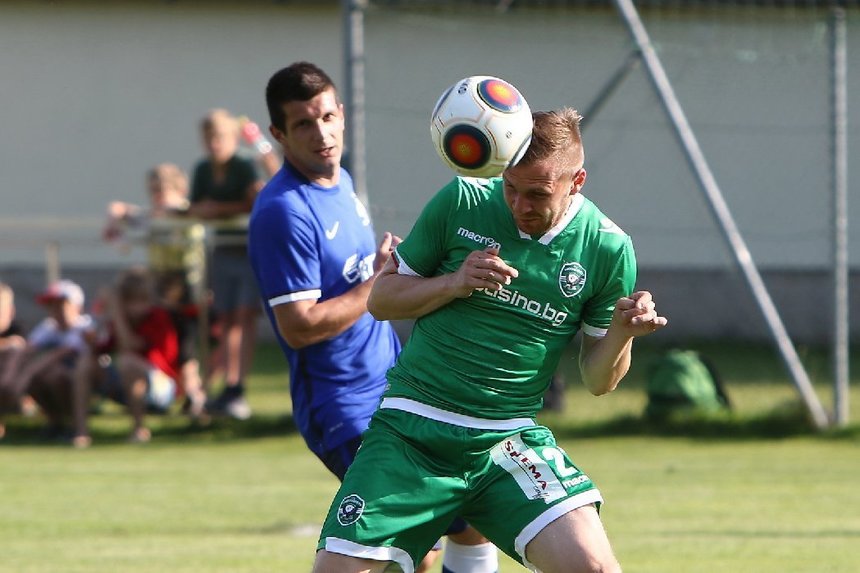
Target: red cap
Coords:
[(62, 290)]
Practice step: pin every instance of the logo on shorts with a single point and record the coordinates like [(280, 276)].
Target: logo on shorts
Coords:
[(350, 509), (571, 279)]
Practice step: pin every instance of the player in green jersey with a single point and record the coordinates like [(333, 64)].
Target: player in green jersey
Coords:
[(499, 274)]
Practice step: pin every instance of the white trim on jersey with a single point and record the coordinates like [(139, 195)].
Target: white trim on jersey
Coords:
[(572, 209), (295, 296), (426, 411), (593, 331), (403, 268), (353, 549), (531, 530)]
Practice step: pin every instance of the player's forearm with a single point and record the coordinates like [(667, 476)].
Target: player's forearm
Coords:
[(325, 320), (209, 209), (605, 362), (397, 297)]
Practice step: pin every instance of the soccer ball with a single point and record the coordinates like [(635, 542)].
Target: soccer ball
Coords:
[(481, 126)]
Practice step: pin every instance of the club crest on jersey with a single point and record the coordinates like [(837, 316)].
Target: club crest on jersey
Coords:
[(571, 279), (350, 509)]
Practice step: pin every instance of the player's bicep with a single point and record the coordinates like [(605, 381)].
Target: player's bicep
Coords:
[(586, 347), (285, 258), (621, 279), (292, 319)]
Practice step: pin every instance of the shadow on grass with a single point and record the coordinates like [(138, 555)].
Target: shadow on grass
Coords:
[(170, 429), (226, 429), (786, 421), (790, 420)]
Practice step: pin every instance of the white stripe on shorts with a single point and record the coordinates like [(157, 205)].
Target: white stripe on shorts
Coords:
[(447, 417), (531, 530), (353, 549)]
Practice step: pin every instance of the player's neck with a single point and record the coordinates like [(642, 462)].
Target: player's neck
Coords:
[(329, 178), (325, 181)]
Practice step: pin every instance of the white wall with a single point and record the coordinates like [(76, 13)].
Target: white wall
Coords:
[(92, 94), (754, 85)]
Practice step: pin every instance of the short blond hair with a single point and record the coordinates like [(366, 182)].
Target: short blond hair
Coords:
[(556, 134), (170, 175), (219, 118)]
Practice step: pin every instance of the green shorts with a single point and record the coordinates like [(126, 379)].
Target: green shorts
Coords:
[(414, 474)]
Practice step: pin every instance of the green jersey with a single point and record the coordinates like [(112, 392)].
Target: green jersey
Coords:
[(492, 355)]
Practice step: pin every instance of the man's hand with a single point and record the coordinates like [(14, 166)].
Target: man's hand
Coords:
[(636, 315), (383, 252), (206, 209), (482, 269)]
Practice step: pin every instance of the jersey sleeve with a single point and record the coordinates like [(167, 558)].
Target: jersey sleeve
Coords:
[(621, 279), (423, 249), (285, 255)]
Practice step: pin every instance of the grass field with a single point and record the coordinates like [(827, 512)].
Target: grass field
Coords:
[(755, 491)]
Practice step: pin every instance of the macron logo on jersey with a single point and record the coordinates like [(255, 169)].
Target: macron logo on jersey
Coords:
[(480, 239)]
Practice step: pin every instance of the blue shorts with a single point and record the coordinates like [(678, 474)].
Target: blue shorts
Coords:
[(340, 458)]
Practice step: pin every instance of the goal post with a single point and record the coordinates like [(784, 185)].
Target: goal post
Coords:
[(721, 211)]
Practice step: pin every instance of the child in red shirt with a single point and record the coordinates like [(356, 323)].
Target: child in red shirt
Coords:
[(135, 362)]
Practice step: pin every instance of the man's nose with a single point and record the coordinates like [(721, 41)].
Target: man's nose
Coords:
[(320, 131), (519, 204)]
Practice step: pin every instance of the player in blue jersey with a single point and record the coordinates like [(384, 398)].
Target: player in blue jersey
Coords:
[(315, 257)]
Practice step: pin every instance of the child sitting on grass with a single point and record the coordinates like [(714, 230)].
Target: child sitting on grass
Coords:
[(12, 346), (45, 366), (135, 362)]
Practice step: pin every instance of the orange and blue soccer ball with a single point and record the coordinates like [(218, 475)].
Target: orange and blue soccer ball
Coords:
[(481, 126)]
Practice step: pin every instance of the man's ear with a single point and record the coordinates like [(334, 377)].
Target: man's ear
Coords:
[(277, 134), (579, 179)]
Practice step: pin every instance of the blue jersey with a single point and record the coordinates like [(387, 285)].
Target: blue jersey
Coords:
[(308, 242)]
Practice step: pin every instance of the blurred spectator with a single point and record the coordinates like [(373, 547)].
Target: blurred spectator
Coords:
[(54, 346), (223, 190), (253, 136), (172, 293), (12, 345), (136, 359), (167, 186), (176, 257), (174, 243)]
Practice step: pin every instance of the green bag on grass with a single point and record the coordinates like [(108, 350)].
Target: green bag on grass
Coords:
[(683, 381)]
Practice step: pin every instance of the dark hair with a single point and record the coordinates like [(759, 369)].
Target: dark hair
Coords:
[(300, 81), (135, 284)]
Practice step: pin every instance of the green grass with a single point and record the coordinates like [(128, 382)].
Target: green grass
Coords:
[(755, 490)]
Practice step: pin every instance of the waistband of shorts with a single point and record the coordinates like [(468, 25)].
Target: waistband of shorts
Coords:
[(440, 415)]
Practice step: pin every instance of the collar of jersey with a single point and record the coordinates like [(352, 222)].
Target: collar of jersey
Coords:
[(572, 210)]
